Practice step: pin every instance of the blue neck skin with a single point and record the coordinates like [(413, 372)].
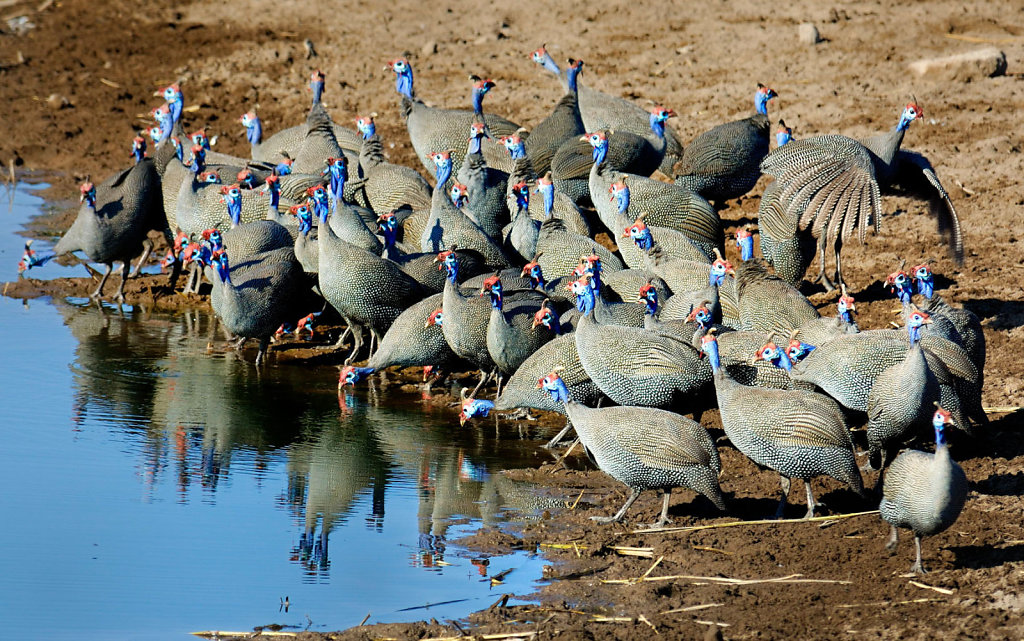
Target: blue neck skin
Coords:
[(403, 82), (940, 431), (458, 199), (357, 374), (178, 151), (369, 130), (600, 152), (905, 119), (305, 222), (557, 389), (914, 333), (585, 301), (321, 206), (390, 231), (317, 87), (198, 165), (283, 169), (175, 101), (571, 73), (903, 292), (761, 102), (274, 190), (782, 360), (622, 200), (443, 171), (138, 153), (223, 269), (216, 241), (165, 123), (234, 208), (845, 314), (254, 131), (336, 186), (651, 302), (925, 284), (715, 277), (537, 277), (595, 278), (643, 239), (474, 143), (746, 245), (553, 322), (783, 137), (90, 202), (710, 349), (523, 198), (547, 192), (658, 125), (451, 265), (496, 298), (517, 150), (478, 100), (549, 63)]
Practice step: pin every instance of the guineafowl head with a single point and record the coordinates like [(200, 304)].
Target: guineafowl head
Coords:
[(658, 117), (719, 269), (459, 194), (284, 167), (477, 132), (547, 317), (915, 321), (232, 197), (572, 72), (584, 292), (199, 137), (771, 353), (246, 179), (480, 88), (213, 239), (514, 145), (164, 120), (544, 59), (350, 375), (492, 285), (180, 241), (553, 384), (442, 166), (138, 148), (175, 100), (472, 407), (745, 243), (784, 134), (449, 262), (599, 141), (845, 306), (536, 274), (87, 194), (220, 263), (546, 188), (701, 314), (648, 297), (388, 224), (209, 178), (305, 217), (640, 233), (366, 126), (403, 77), (319, 198), (155, 133), (797, 349), (619, 193), (169, 259), (709, 348), (761, 98), (899, 283), (253, 127), (522, 194), (272, 187), (436, 318), (925, 280), (317, 80), (337, 171), (910, 113), (940, 420), (198, 163)]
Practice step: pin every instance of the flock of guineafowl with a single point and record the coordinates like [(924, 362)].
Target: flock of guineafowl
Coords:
[(496, 268)]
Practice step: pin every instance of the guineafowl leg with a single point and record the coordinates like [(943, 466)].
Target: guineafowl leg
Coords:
[(664, 520), (341, 339), (125, 265), (483, 379), (838, 249), (823, 277), (786, 483), (918, 568), (147, 249), (357, 339), (810, 500), (558, 437), (633, 494), (103, 281), (894, 538), (881, 471), (261, 354), (172, 280)]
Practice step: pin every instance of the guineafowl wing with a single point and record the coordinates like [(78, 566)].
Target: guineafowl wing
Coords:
[(660, 441), (916, 175)]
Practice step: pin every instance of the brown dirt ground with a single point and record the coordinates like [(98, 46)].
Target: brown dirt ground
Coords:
[(703, 60)]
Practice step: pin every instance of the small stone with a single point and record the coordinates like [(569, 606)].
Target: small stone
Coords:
[(429, 48), (809, 34), (986, 62), (56, 101)]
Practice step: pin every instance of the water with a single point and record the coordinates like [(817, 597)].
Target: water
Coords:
[(151, 489)]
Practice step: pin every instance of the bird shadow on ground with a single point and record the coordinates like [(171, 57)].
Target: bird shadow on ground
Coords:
[(1002, 484), (999, 314), (1001, 438), (976, 557)]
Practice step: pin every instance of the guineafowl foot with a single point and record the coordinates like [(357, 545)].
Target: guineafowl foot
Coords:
[(893, 540), (147, 249), (811, 504), (633, 494), (521, 414), (96, 295), (918, 567), (558, 437), (239, 343), (604, 520), (786, 485)]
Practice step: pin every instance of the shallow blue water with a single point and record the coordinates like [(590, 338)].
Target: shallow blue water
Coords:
[(150, 488)]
